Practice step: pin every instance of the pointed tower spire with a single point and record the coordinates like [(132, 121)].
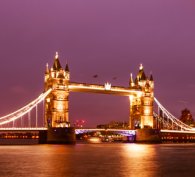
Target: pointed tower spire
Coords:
[(147, 86), (141, 67), (131, 83), (137, 80), (66, 67), (56, 56), (151, 77), (151, 80), (47, 69), (57, 65), (141, 75)]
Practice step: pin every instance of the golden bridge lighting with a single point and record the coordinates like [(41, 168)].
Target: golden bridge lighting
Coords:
[(142, 117), (107, 86), (131, 98)]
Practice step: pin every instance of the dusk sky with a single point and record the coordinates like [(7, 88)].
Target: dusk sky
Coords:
[(109, 38)]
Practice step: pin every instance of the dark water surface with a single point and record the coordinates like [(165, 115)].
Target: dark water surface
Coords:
[(98, 160)]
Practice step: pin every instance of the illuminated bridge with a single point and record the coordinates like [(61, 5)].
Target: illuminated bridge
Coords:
[(49, 112)]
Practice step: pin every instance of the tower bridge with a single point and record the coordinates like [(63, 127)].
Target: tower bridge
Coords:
[(149, 122), (140, 93)]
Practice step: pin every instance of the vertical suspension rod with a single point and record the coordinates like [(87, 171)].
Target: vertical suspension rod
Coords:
[(29, 119), (43, 115), (36, 116)]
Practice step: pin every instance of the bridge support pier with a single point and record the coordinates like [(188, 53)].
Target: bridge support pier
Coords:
[(61, 135), (148, 135)]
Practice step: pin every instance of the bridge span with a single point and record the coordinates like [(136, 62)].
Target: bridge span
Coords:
[(148, 119)]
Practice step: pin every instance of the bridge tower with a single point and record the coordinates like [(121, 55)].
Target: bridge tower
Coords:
[(141, 104), (56, 103)]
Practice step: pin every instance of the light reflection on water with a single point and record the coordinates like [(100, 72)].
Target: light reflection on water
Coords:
[(139, 160), (98, 160)]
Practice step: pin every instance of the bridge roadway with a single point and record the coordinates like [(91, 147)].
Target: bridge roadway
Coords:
[(84, 130), (77, 131), (39, 134), (173, 136), (103, 89), (23, 135)]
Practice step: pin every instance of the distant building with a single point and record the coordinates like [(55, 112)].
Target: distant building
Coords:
[(186, 117), (114, 124)]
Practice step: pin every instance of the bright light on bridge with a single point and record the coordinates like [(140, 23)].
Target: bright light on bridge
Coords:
[(107, 86)]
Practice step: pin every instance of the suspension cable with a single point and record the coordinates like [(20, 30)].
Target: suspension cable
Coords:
[(173, 118), (22, 111)]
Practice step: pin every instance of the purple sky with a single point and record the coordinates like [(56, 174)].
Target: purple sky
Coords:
[(105, 37)]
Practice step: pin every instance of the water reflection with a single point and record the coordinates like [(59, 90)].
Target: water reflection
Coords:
[(139, 160), (98, 160)]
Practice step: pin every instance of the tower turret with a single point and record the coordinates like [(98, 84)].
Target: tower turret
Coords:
[(141, 77), (131, 82), (66, 67), (141, 105), (56, 64), (151, 77), (47, 69), (67, 72), (141, 74), (151, 81)]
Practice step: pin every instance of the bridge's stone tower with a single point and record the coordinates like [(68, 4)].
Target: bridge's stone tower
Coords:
[(141, 104), (56, 103)]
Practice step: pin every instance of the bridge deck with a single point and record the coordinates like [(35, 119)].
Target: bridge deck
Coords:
[(103, 89)]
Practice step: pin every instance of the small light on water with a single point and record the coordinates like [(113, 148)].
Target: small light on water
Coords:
[(94, 140)]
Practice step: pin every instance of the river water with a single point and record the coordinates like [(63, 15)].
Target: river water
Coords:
[(98, 160)]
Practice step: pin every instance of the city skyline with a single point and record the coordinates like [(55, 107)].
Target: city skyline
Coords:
[(102, 42)]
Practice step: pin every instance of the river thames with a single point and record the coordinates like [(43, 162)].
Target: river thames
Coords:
[(98, 160)]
